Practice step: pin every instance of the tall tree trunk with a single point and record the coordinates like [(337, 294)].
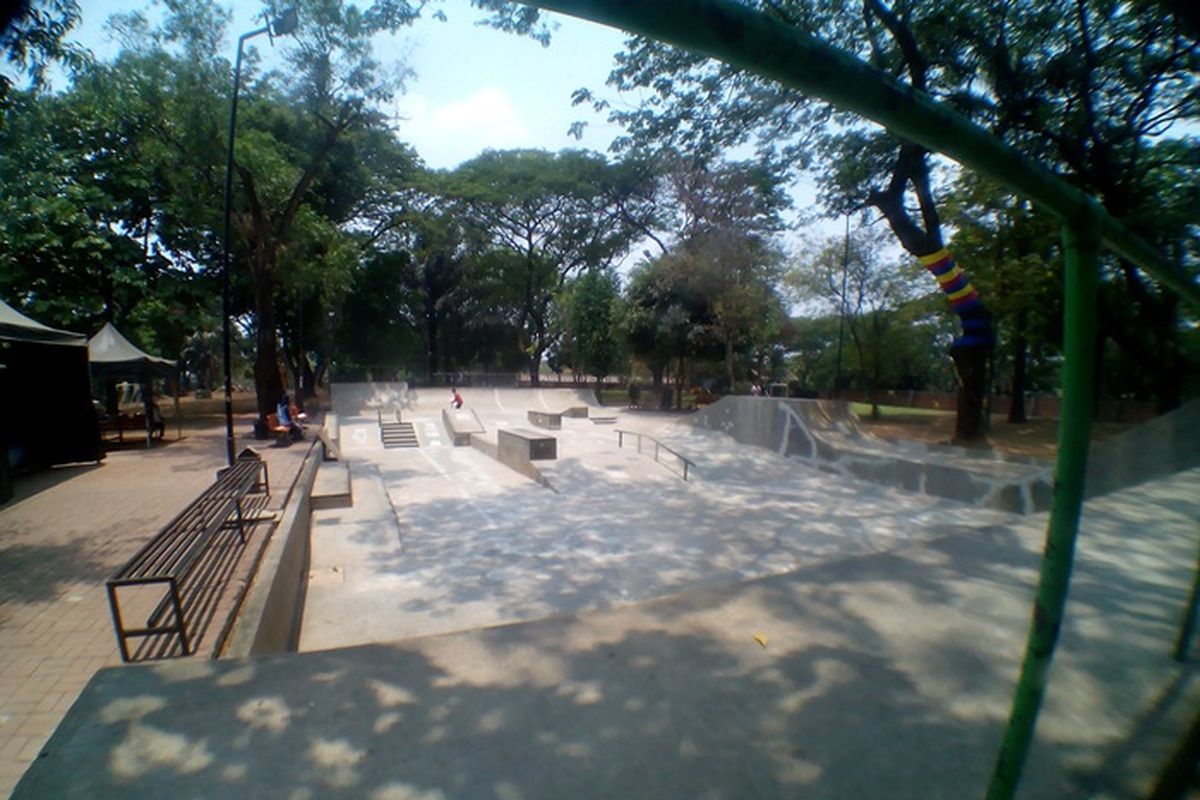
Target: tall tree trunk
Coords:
[(431, 345), (268, 385), (656, 374), (970, 351), (729, 359), (971, 365), (535, 364), (1016, 406)]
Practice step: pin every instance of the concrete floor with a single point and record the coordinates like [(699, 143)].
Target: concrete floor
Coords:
[(886, 675), (442, 539), (762, 631)]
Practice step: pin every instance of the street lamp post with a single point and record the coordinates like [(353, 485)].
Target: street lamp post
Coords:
[(282, 25)]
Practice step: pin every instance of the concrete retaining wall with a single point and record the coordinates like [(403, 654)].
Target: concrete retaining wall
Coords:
[(269, 620), (825, 434), (1161, 447)]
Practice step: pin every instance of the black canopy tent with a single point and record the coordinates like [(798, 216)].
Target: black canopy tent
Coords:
[(113, 356), (46, 414)]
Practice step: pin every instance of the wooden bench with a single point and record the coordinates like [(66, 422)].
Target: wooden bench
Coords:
[(172, 556)]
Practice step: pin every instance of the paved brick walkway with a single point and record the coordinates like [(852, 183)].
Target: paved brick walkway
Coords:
[(60, 537)]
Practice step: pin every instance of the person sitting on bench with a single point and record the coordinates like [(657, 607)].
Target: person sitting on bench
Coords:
[(283, 411)]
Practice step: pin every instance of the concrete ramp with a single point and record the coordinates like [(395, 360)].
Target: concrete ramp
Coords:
[(826, 434), (1161, 447), (364, 399), (521, 400)]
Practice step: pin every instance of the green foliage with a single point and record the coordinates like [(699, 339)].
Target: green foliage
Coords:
[(892, 333), (554, 214), (34, 38), (594, 309), (1093, 89)]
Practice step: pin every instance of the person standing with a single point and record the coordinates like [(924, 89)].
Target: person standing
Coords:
[(456, 398)]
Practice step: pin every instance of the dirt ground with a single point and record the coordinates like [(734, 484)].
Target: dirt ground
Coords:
[(1036, 438)]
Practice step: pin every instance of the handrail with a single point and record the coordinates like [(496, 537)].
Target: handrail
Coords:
[(658, 446)]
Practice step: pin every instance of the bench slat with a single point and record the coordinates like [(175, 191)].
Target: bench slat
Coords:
[(171, 554), (178, 536)]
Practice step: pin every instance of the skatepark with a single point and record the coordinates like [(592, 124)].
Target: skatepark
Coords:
[(594, 625)]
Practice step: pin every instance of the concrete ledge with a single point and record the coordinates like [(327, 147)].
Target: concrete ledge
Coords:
[(332, 488), (330, 434), (461, 424), (515, 449), (269, 620), (549, 420), (578, 412)]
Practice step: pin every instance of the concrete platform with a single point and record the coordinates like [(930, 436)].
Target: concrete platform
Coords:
[(332, 486), (884, 675)]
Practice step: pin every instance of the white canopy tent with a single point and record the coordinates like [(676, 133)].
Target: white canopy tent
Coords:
[(111, 355)]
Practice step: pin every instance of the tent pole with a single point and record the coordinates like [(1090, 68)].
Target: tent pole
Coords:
[(148, 404)]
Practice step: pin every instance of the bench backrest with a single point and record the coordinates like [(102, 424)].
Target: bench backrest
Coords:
[(178, 543)]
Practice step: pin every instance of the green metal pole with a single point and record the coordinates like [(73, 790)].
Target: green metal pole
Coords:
[(1081, 242), (739, 35)]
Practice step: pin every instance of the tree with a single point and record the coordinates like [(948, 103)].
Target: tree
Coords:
[(33, 36), (1016, 250), (727, 213), (558, 213), (594, 309), (336, 83), (872, 296), (669, 317), (1017, 69)]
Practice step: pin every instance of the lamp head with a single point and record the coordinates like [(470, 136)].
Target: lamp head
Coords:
[(285, 23)]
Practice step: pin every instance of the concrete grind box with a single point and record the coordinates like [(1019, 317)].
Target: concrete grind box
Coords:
[(527, 444)]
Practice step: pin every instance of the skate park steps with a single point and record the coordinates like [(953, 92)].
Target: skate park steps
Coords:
[(396, 433)]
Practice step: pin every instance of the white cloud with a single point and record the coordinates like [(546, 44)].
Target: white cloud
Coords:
[(448, 134)]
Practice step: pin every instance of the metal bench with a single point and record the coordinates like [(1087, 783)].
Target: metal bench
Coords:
[(170, 558)]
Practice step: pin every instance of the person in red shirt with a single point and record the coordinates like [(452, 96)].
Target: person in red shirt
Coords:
[(456, 398)]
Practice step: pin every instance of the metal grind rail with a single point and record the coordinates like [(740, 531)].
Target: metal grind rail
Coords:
[(658, 448)]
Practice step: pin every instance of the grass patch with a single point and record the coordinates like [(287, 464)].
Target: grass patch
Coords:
[(864, 411)]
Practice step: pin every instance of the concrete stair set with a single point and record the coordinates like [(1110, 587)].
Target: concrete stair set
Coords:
[(398, 434)]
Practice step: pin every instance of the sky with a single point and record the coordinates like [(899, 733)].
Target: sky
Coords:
[(475, 87)]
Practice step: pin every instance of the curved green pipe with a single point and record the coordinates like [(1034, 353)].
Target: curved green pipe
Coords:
[(749, 39), (1081, 250), (742, 37)]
